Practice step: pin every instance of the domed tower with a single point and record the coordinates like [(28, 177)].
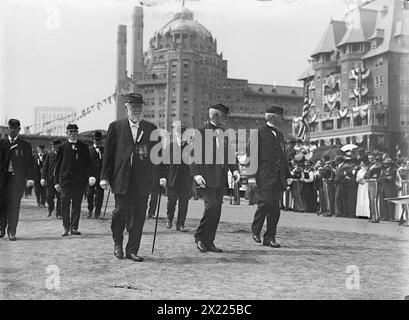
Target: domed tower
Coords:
[(181, 70)]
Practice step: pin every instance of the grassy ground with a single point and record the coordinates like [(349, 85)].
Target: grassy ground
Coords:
[(311, 264)]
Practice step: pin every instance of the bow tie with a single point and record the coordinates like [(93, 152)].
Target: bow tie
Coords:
[(135, 125), (12, 141)]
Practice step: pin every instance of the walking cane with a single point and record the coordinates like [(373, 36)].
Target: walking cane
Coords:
[(106, 204), (157, 217)]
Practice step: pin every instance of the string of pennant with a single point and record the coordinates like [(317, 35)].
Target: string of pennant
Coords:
[(76, 116)]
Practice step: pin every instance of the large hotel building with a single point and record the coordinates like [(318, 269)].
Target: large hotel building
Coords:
[(181, 74), (358, 79)]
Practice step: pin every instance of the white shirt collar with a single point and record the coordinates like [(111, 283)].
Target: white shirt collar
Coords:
[(271, 126), (72, 141), (132, 124), (13, 138)]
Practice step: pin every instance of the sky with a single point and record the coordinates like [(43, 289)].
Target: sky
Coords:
[(63, 53)]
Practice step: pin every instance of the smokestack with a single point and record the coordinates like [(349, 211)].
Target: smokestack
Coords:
[(121, 76), (137, 44)]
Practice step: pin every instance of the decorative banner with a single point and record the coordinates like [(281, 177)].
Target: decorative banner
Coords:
[(314, 118), (343, 113), (359, 138)]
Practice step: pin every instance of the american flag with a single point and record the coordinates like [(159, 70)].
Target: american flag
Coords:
[(303, 131)]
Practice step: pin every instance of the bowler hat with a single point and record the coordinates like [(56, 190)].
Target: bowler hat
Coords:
[(134, 98), (97, 135), (14, 123), (72, 126), (275, 109), (220, 107)]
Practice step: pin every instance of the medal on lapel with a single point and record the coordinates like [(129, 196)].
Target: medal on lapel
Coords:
[(140, 151)]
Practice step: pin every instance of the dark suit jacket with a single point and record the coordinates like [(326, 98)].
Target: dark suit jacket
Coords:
[(64, 166), (49, 168), (214, 174), (39, 166), (22, 161), (119, 147), (272, 161), (177, 171), (96, 161)]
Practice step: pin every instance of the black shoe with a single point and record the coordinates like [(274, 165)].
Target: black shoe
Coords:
[(134, 257), (12, 237), (49, 214), (169, 225), (256, 238), (89, 216), (2, 233), (201, 246), (181, 229), (96, 216), (65, 233), (75, 232), (213, 248), (271, 243), (119, 252)]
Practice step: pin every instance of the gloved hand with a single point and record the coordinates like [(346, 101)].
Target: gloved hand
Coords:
[(162, 182), (29, 183), (92, 181), (42, 182), (104, 184), (200, 181), (57, 188)]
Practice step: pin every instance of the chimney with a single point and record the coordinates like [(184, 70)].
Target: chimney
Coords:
[(137, 44), (121, 77)]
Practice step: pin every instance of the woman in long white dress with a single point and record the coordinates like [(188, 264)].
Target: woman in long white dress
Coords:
[(362, 202), (402, 186)]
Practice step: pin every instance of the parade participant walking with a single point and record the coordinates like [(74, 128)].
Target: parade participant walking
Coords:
[(47, 180), (271, 176), (16, 173), (212, 177), (95, 195), (128, 170), (72, 173), (179, 183), (39, 189)]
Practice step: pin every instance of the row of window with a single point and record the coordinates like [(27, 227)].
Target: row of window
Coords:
[(378, 81), (404, 100), (404, 79)]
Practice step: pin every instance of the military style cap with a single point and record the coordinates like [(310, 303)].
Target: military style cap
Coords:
[(134, 98), (72, 126), (14, 123), (275, 109), (56, 142), (220, 107), (97, 135)]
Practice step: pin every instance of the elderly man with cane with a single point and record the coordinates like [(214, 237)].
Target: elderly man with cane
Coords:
[(127, 169)]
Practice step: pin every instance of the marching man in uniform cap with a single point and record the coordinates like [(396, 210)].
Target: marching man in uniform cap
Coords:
[(212, 178), (271, 176), (95, 196), (47, 180), (128, 170), (16, 173), (72, 173)]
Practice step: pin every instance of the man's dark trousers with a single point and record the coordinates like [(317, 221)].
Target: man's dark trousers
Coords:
[(95, 198), (213, 199), (180, 192), (130, 211), (51, 194), (71, 196), (10, 205), (268, 205)]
